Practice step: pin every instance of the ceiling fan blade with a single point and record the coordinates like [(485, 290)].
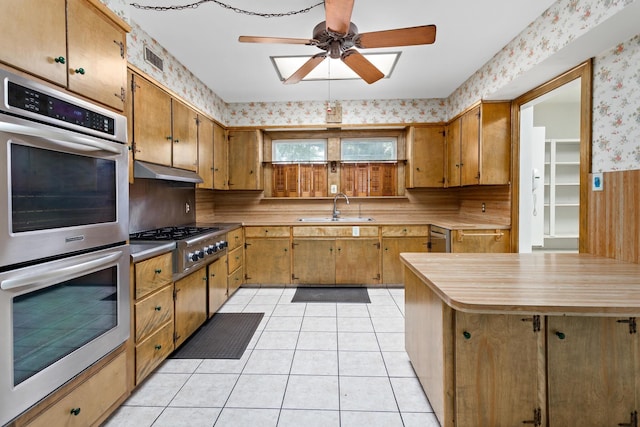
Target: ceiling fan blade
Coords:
[(425, 34), (306, 68), (285, 40), (361, 66), (338, 15)]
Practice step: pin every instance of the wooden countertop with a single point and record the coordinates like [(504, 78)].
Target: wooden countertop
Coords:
[(548, 283)]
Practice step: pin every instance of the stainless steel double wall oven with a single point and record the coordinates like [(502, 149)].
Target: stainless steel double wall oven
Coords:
[(64, 260)]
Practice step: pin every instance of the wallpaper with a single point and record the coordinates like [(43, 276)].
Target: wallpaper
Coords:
[(616, 105)]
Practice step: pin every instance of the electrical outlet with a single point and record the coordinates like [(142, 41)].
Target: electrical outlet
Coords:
[(597, 182), (355, 231), (334, 189), (484, 207)]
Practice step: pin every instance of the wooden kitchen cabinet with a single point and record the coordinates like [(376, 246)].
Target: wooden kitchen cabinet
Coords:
[(217, 281), (479, 146), (481, 241), (358, 261), (425, 157), (212, 155), (245, 160), (190, 304), (314, 261), (77, 44), (593, 368), (396, 240), (185, 136), (267, 255), (153, 313), (235, 260)]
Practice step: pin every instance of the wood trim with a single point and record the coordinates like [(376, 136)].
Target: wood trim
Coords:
[(111, 15), (583, 71)]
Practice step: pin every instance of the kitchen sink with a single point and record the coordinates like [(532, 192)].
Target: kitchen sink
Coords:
[(339, 219)]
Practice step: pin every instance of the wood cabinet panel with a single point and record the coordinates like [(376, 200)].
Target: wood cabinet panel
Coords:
[(426, 157), (453, 153), (35, 50), (152, 126), (205, 152), (245, 160), (592, 371), (469, 147), (481, 241), (153, 274), (234, 259), (392, 247), (190, 304), (334, 231), (152, 351), (358, 261), (235, 239), (87, 403), (268, 261), (220, 158), (496, 361), (235, 280), (314, 261), (217, 280), (152, 312), (97, 55), (185, 136), (404, 230), (270, 231)]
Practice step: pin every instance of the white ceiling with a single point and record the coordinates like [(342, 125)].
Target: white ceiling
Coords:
[(205, 40)]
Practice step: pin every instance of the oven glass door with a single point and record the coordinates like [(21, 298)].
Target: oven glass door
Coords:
[(57, 319)]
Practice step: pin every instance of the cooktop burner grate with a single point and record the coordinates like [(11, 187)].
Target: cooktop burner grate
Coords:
[(172, 233)]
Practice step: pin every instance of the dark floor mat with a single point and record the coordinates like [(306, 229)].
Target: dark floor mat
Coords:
[(331, 294), (224, 336)]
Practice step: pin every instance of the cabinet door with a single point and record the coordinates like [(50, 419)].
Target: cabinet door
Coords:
[(426, 147), (358, 261), (205, 152), (190, 304), (391, 250), (97, 57), (481, 241), (152, 123), (470, 147), (245, 160), (496, 360), (314, 261), (453, 154), (185, 136), (591, 371), (217, 280), (495, 143), (33, 37), (268, 261), (220, 158)]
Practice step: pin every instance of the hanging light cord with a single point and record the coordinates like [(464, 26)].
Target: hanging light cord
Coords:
[(225, 6), (329, 82)]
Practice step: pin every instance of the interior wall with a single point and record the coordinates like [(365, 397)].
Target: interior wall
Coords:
[(561, 120)]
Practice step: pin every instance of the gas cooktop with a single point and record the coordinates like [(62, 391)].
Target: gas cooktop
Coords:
[(172, 233)]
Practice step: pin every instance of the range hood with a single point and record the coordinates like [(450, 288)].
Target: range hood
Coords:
[(152, 171)]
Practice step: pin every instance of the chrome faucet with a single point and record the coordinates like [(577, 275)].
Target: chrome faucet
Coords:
[(336, 212)]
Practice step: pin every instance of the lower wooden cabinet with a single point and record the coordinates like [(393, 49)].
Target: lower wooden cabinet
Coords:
[(91, 401), (314, 261), (190, 304), (268, 261), (153, 350), (481, 241), (396, 240), (358, 261), (235, 260)]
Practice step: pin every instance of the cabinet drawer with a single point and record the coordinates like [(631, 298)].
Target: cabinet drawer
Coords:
[(234, 238), (336, 231), (234, 260), (153, 350), (405, 231), (266, 231), (235, 280), (90, 400), (152, 312), (153, 274)]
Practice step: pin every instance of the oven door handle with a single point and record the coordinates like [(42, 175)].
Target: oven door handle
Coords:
[(55, 276), (68, 139)]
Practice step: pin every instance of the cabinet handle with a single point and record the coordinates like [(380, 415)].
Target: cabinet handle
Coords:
[(75, 411), (466, 335), (157, 308), (79, 70), (560, 335), (418, 169), (176, 141), (158, 270), (169, 138), (60, 60), (158, 347), (213, 275)]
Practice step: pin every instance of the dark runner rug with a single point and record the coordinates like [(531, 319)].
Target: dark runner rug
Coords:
[(331, 294), (224, 336)]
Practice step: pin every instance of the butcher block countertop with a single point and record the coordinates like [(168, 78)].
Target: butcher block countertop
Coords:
[(545, 283)]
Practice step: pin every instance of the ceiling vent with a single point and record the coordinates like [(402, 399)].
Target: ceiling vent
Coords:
[(153, 58)]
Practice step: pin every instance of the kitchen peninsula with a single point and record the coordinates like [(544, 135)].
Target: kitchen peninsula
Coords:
[(512, 339)]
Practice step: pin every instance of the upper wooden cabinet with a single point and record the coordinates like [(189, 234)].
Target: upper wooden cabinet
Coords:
[(425, 157), (165, 131), (245, 160), (479, 146), (212, 155), (77, 44)]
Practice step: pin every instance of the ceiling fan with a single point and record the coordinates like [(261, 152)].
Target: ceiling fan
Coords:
[(338, 36)]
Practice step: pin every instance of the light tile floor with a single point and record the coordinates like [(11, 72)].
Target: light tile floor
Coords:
[(327, 365)]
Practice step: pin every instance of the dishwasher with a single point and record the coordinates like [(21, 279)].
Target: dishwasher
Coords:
[(439, 239)]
